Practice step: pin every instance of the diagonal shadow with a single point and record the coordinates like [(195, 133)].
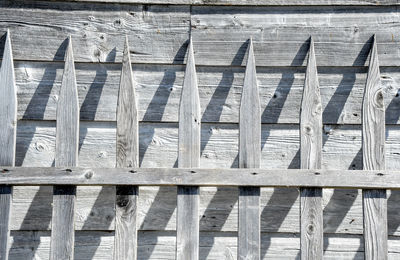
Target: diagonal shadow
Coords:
[(88, 109), (337, 103), (158, 103), (392, 116), (269, 214), (214, 110), (38, 104)]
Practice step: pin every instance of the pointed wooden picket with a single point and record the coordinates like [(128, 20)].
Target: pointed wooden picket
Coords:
[(8, 130), (311, 213), (125, 243), (373, 147), (249, 157), (67, 141), (187, 240)]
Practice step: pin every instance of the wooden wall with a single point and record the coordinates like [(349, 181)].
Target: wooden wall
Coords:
[(158, 33)]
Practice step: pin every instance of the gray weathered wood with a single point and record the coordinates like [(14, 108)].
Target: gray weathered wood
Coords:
[(8, 132), (385, 179), (219, 90), (373, 147), (66, 155), (187, 231), (249, 157), (158, 245), (156, 32), (311, 220), (249, 2), (164, 29), (125, 245)]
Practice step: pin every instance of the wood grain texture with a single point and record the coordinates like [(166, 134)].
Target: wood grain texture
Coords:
[(127, 156), (311, 212), (159, 245), (249, 157), (187, 232), (66, 154), (248, 2), (156, 32), (8, 132), (163, 29), (159, 88), (281, 34), (373, 147), (201, 177)]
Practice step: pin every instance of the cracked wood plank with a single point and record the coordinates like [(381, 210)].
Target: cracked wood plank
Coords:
[(8, 131), (311, 212), (187, 240), (249, 157), (373, 148), (67, 142), (125, 243)]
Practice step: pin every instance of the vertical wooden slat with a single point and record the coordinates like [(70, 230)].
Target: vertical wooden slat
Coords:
[(311, 213), (67, 140), (187, 243), (249, 157), (125, 243), (373, 146), (8, 129)]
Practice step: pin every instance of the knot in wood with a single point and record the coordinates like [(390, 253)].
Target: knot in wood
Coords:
[(308, 130), (379, 99), (310, 229), (122, 201), (89, 174)]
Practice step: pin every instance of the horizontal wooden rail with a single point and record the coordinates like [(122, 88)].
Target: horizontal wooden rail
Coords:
[(363, 179)]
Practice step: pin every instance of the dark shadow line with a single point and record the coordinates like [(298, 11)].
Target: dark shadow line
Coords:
[(214, 109), (88, 112), (42, 89), (281, 92), (158, 103)]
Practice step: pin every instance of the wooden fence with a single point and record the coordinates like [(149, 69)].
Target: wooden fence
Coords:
[(127, 176)]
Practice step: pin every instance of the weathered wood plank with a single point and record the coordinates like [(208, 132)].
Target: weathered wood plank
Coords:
[(280, 34), (381, 179), (373, 147), (95, 206), (187, 231), (127, 156), (249, 2), (66, 154), (311, 221), (213, 245), (159, 88), (8, 132), (249, 157), (164, 30), (157, 33)]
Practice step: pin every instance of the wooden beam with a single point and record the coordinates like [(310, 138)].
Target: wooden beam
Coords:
[(8, 130), (67, 141), (249, 157), (373, 147), (311, 213), (187, 237), (361, 179), (125, 243)]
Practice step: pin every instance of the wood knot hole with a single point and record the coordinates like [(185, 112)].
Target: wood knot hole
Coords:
[(89, 174), (310, 229), (380, 174), (254, 173), (68, 170), (5, 171), (193, 171), (317, 173), (132, 171)]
